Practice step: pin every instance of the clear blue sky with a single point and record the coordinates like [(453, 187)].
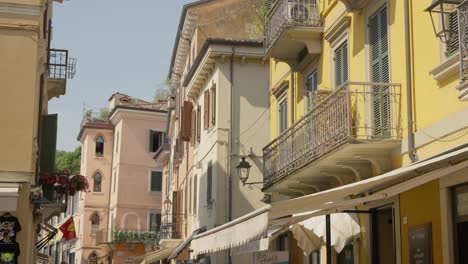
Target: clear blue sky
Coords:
[(121, 46)]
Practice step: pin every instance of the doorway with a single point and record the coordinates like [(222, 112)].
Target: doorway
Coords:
[(460, 214), (383, 236)]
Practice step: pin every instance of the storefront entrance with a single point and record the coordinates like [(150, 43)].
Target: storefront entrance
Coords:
[(460, 213), (383, 236)]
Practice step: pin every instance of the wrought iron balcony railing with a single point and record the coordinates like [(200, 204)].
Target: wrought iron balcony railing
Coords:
[(291, 13), (357, 111), (169, 231), (60, 65)]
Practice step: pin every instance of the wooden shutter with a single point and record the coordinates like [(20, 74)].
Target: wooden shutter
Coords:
[(341, 64), (209, 183), (198, 123), (186, 120), (453, 45), (378, 30), (193, 128), (48, 143), (206, 110), (213, 103)]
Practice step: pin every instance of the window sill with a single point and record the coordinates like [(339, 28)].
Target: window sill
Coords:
[(98, 193), (99, 157), (155, 192), (447, 68)]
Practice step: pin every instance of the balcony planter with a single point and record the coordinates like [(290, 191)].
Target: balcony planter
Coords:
[(57, 185)]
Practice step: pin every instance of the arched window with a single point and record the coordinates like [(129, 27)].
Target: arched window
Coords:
[(93, 258), (95, 221), (99, 146), (97, 182)]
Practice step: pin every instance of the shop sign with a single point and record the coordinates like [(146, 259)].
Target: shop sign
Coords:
[(254, 246), (420, 240), (272, 257)]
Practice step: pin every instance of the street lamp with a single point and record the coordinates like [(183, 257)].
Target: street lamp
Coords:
[(167, 205), (244, 170), (444, 8)]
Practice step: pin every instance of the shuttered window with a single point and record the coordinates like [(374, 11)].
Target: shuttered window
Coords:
[(312, 82), (156, 181), (283, 115), (186, 120), (213, 105), (452, 46), (378, 30), (209, 183), (206, 110), (341, 64), (156, 140), (198, 123), (155, 222), (48, 143), (193, 131)]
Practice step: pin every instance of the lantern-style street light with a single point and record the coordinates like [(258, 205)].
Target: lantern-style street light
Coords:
[(167, 205), (244, 170), (443, 9)]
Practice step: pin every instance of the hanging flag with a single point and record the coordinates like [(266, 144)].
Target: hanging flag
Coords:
[(68, 229)]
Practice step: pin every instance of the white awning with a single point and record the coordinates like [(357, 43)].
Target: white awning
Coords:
[(158, 255), (311, 232), (233, 234), (9, 196)]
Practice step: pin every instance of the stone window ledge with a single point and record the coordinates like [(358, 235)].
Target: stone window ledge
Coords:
[(447, 68)]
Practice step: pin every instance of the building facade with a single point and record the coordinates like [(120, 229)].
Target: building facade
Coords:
[(31, 72)]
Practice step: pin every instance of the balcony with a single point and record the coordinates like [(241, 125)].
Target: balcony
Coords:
[(161, 156), (354, 5), (346, 136), (61, 68), (169, 231), (293, 32), (125, 236)]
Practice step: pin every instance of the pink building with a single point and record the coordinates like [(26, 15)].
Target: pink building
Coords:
[(120, 218)]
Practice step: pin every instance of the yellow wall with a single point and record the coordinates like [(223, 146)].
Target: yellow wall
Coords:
[(421, 206)]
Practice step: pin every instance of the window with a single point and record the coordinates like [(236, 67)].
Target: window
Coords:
[(93, 258), (452, 45), (155, 222), (97, 182), (209, 183), (206, 108), (213, 105), (99, 146), (156, 140), (195, 194), (117, 143), (95, 221), (283, 115), (156, 181), (312, 82), (341, 64)]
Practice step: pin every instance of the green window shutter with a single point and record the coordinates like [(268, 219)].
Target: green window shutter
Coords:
[(341, 64), (48, 143), (156, 181), (209, 185), (453, 46), (378, 30)]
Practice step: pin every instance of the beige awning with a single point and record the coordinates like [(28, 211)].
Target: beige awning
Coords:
[(9, 196), (285, 214), (157, 255), (233, 234)]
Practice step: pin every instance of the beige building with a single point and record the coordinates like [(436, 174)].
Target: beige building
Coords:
[(31, 72), (120, 217), (220, 96)]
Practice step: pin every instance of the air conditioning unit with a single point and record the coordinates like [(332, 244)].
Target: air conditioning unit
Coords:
[(299, 11)]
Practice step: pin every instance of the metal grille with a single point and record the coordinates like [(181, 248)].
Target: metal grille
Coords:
[(60, 65), (169, 231), (289, 13), (346, 114), (463, 39)]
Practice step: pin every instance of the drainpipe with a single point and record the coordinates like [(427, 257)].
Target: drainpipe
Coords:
[(409, 87), (229, 157), (293, 100)]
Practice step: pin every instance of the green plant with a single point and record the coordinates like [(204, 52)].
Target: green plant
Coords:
[(104, 113)]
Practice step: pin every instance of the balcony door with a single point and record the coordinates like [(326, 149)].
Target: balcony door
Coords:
[(378, 40)]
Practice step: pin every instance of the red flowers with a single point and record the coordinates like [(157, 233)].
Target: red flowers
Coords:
[(62, 183)]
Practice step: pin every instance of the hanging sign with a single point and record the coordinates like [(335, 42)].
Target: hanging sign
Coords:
[(420, 240), (271, 257)]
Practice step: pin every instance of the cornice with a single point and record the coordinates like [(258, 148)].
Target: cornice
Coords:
[(20, 9)]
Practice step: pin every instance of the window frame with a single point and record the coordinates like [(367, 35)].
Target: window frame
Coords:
[(100, 183), (156, 214), (283, 99), (151, 181), (339, 45), (96, 154)]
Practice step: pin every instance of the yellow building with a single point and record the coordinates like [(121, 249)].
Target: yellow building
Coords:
[(358, 90), (31, 74)]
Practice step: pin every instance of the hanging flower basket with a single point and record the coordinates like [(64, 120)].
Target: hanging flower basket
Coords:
[(77, 183), (60, 183)]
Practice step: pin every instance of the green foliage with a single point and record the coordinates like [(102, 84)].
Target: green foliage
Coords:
[(104, 113), (260, 18), (68, 161)]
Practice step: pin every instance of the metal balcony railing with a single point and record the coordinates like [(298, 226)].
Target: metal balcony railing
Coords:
[(463, 39), (60, 65), (291, 13), (359, 111), (134, 236), (169, 231)]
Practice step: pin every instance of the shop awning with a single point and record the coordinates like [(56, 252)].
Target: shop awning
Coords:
[(310, 233), (157, 255), (9, 196), (233, 234), (182, 246), (285, 214)]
